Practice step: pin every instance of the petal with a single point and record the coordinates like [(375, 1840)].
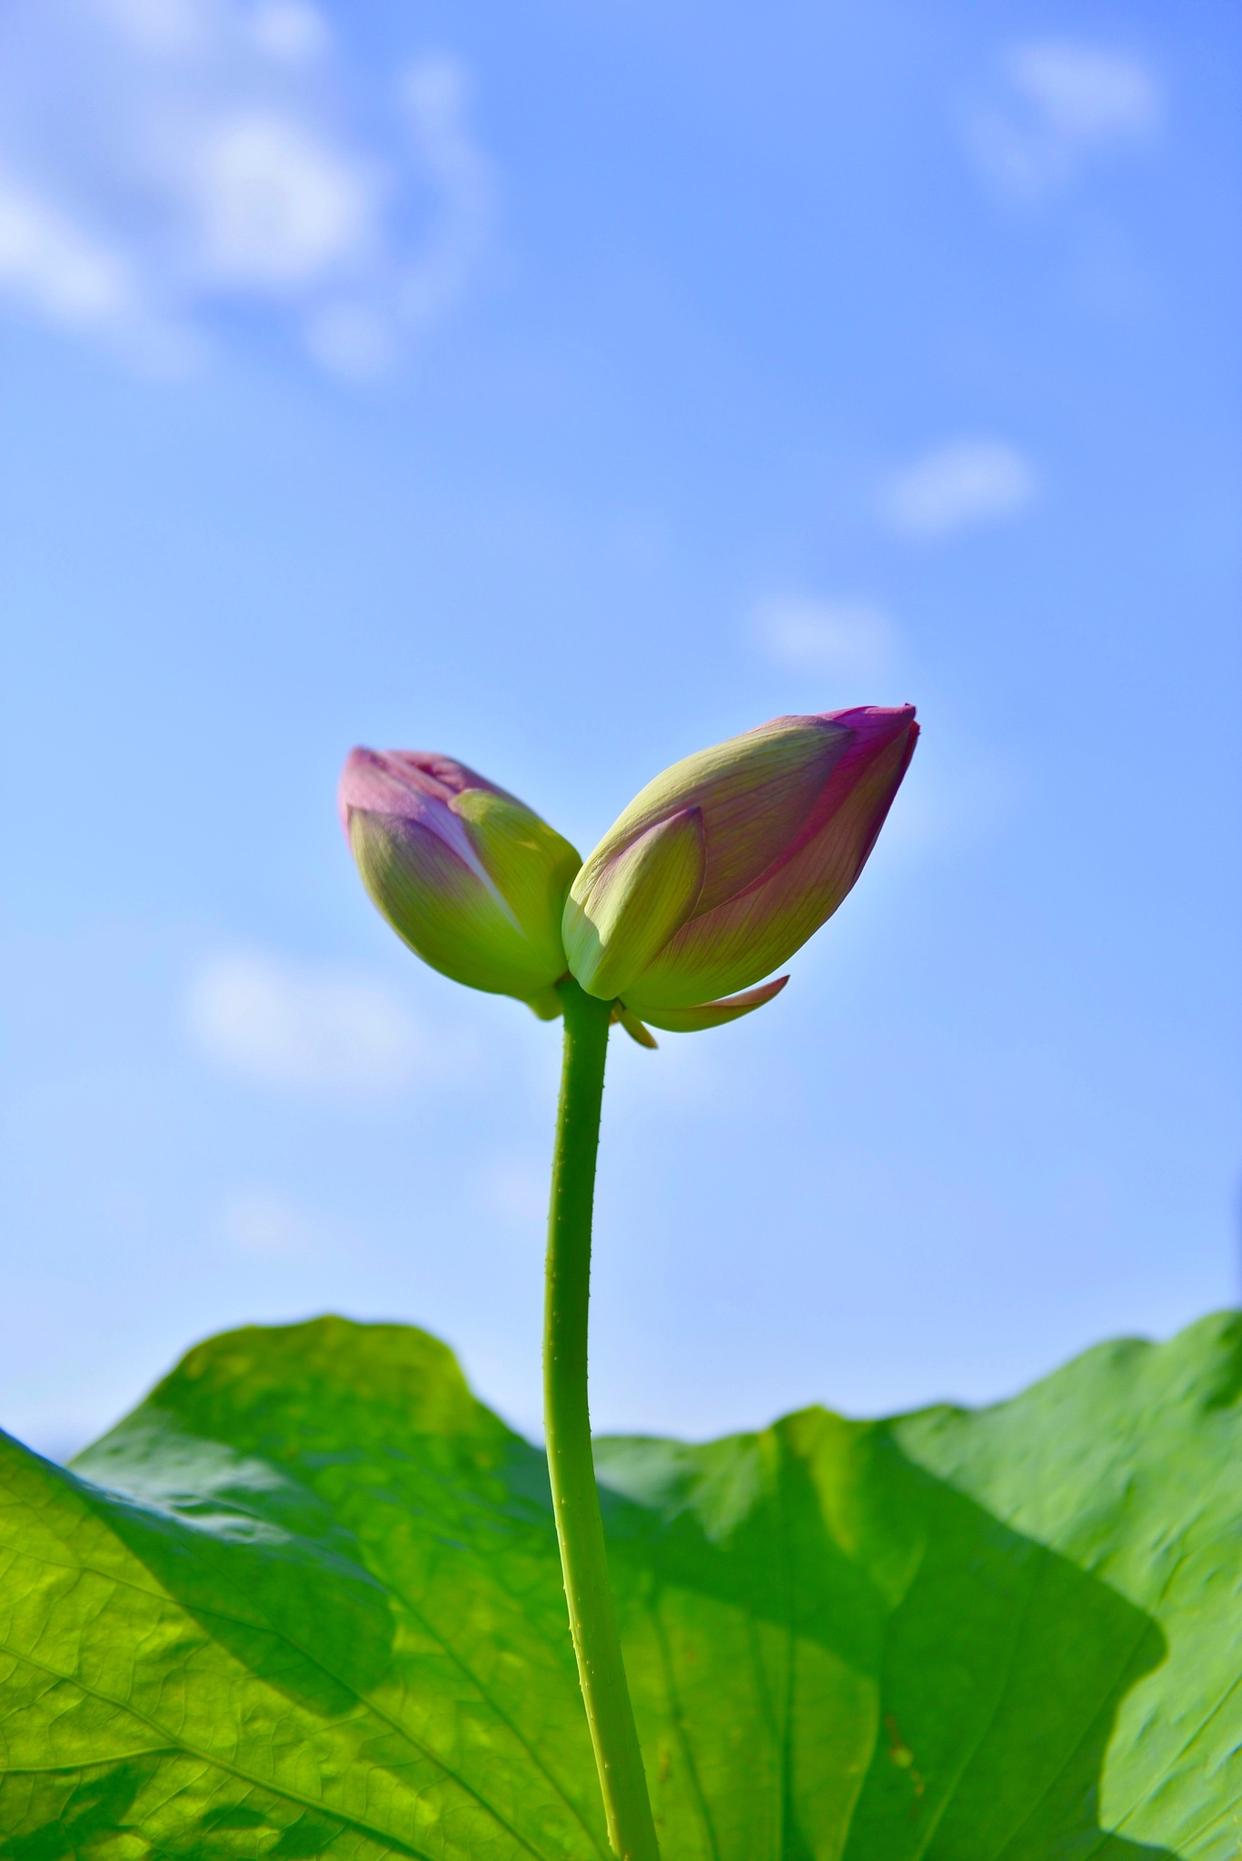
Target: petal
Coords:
[(403, 781), (443, 910), (528, 863), (756, 931), (615, 923), (467, 875), (755, 793), (414, 786), (711, 1014)]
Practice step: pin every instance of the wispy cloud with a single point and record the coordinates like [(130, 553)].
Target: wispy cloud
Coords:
[(436, 99), (303, 1027), (266, 1224), (967, 794), (63, 270), (347, 333), (165, 165), (957, 486), (275, 206), (1062, 104), (513, 1187), (840, 638), (290, 30)]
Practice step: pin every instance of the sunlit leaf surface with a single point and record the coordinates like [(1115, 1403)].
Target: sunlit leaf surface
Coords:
[(305, 1601)]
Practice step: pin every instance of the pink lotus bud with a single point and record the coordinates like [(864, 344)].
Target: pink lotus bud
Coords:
[(467, 875), (724, 865)]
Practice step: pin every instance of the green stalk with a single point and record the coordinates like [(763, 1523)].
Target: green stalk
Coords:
[(575, 1497)]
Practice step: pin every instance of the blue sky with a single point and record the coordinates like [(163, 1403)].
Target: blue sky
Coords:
[(564, 389)]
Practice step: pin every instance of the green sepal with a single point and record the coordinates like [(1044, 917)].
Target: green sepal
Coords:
[(633, 1026), (546, 1004), (712, 1014)]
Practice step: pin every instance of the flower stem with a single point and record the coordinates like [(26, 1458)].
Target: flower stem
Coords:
[(575, 1497)]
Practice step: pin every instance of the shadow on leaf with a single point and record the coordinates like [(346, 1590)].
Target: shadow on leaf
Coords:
[(350, 1563)]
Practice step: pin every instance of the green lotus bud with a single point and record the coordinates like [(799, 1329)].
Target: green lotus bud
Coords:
[(724, 865), (469, 877)]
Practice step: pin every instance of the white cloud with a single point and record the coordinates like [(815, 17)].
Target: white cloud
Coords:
[(300, 1026), (167, 26), (57, 267), (514, 1189), (842, 639), (264, 1223), (1086, 94), (966, 795), (956, 486), (161, 160), (436, 96), (290, 30), (277, 206), (350, 338), (65, 274), (1063, 104)]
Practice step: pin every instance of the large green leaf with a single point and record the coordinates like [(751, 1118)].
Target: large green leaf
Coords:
[(305, 1600)]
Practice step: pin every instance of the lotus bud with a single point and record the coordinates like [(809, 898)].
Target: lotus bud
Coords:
[(469, 877), (724, 865)]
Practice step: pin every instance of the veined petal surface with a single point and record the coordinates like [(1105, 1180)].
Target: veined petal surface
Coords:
[(454, 920), (528, 862), (754, 794), (467, 875), (753, 932), (615, 922)]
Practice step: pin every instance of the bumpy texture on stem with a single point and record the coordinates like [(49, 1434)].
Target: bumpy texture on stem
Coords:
[(575, 1497)]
